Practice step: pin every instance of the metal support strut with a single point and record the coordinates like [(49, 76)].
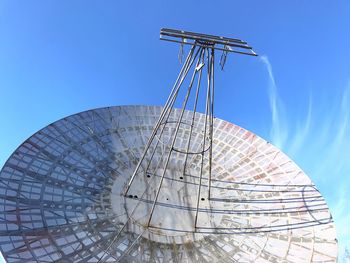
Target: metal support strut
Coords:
[(158, 153)]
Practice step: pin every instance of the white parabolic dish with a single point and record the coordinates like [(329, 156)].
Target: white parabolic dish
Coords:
[(62, 198)]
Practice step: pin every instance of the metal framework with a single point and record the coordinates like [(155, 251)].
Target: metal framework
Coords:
[(61, 197), (151, 184), (215, 42), (200, 54)]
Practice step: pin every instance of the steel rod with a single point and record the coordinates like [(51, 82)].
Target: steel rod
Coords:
[(217, 48), (211, 122), (204, 138), (175, 87), (169, 111), (194, 112), (130, 247), (172, 143), (198, 36)]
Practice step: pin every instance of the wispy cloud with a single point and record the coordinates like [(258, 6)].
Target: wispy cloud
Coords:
[(302, 130), (321, 138), (279, 130), (338, 141)]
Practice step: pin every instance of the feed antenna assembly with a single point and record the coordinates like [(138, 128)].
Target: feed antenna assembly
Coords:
[(178, 155)]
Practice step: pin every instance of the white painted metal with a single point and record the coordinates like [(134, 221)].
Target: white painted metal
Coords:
[(61, 197)]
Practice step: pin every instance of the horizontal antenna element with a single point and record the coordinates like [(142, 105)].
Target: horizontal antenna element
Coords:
[(210, 41)]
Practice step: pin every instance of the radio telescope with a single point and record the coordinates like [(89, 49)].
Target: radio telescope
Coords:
[(161, 184)]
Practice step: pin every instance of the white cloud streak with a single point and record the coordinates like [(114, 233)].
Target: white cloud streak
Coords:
[(302, 131), (338, 143), (326, 136), (279, 130)]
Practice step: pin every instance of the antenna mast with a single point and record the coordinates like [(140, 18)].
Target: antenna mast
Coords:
[(172, 137)]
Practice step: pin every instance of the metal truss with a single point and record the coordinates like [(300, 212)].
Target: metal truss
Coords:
[(170, 184), (201, 54)]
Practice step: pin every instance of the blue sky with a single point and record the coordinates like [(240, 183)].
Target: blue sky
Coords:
[(62, 57)]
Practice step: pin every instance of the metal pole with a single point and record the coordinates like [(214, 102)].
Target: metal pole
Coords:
[(174, 90), (173, 142), (207, 109), (194, 112), (169, 111), (211, 121)]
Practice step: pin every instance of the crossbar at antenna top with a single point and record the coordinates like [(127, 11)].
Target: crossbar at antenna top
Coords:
[(217, 42)]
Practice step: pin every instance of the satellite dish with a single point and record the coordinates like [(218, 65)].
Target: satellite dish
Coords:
[(152, 184), (62, 198)]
